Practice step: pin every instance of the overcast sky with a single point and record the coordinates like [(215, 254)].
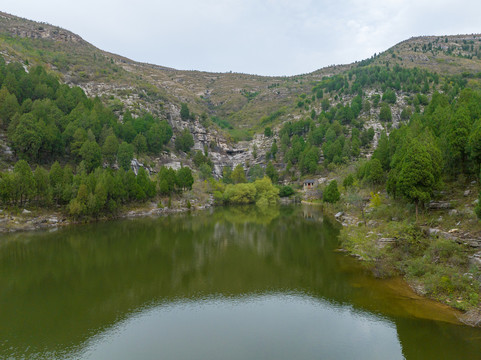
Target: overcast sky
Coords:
[(266, 37)]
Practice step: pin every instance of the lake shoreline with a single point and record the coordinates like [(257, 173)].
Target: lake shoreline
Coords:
[(371, 258), (41, 219), (44, 219)]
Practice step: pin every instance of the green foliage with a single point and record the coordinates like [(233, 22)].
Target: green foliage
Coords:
[(184, 141), (271, 172), (348, 181), (125, 154), (331, 193), (266, 193), (110, 149), (262, 192), (240, 135), (184, 112), (8, 106), (297, 147), (418, 173), (167, 179), (185, 180), (140, 144), (158, 135), (238, 175), (385, 113), (286, 191), (383, 151), (389, 96), (406, 113), (299, 128), (250, 95), (273, 116), (241, 193), (325, 104), (43, 193), (267, 132), (375, 200), (23, 182), (199, 158), (308, 160), (227, 175), (222, 123), (55, 120), (147, 186), (100, 192), (205, 171), (441, 265), (376, 174), (91, 154), (274, 150), (255, 172)]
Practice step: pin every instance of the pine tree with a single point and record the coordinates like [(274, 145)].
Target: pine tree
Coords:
[(417, 177), (331, 194)]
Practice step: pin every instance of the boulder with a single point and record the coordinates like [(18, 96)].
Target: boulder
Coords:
[(475, 259), (440, 205), (382, 242), (453, 212)]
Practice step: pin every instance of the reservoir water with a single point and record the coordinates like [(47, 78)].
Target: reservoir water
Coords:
[(228, 283)]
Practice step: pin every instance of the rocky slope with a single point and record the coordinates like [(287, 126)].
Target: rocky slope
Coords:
[(243, 100)]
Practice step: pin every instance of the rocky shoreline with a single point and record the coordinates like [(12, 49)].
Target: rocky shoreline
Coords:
[(471, 317), (31, 221)]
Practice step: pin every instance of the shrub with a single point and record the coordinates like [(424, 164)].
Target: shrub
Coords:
[(331, 194), (242, 193), (286, 191), (348, 181)]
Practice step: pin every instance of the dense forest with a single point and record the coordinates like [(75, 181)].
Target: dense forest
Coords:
[(49, 123)]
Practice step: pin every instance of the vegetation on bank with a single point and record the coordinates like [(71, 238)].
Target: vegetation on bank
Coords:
[(435, 264), (49, 124), (431, 250), (261, 192), (102, 192)]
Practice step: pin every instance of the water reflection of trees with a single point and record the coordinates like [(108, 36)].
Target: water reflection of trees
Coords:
[(75, 282), (93, 275)]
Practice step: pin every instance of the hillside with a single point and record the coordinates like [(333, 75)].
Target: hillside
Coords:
[(234, 107), (239, 97), (400, 132)]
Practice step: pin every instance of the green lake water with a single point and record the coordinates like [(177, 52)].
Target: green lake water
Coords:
[(228, 283)]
